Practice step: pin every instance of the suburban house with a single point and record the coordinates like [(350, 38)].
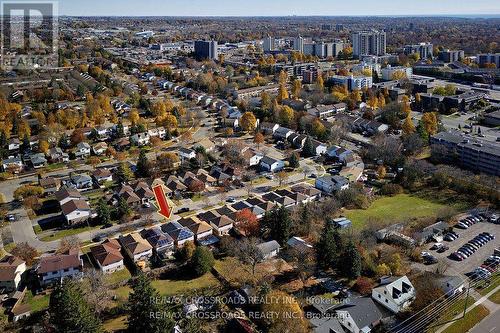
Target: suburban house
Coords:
[(340, 154), (67, 194), (13, 164), (319, 147), (136, 247), (80, 181), (140, 139), (54, 268), (252, 157), (76, 211), (268, 128), (200, 229), (38, 160), (82, 150), (222, 225), (282, 133), (360, 315), (158, 132), (299, 244), (107, 256), (100, 148), (269, 249), (50, 184), (162, 243), (186, 154), (395, 294), (179, 234), (102, 176), (270, 164), (56, 155), (11, 271), (206, 144), (331, 184)]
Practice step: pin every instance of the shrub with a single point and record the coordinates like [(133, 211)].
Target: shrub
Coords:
[(391, 189)]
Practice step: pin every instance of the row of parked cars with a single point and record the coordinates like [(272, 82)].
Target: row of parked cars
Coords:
[(451, 236), (489, 267), (472, 246), (468, 221)]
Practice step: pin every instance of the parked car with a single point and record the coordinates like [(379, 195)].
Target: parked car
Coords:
[(442, 249), (183, 210), (10, 217)]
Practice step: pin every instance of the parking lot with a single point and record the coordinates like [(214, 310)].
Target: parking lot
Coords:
[(476, 259)]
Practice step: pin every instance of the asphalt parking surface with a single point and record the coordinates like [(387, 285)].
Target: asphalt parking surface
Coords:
[(473, 261)]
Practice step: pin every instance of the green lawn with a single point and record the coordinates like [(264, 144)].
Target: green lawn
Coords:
[(174, 287), (37, 229), (38, 302), (399, 208), (65, 233), (118, 276), (55, 166), (116, 324), (471, 318), (495, 298)]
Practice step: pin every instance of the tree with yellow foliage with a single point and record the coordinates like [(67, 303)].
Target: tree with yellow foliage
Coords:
[(430, 121), (296, 88), (355, 95), (373, 102), (282, 93), (43, 146), (283, 77), (320, 83), (408, 126), (340, 92), (287, 115), (406, 106), (169, 121), (248, 122), (134, 117), (23, 129), (398, 75), (287, 316)]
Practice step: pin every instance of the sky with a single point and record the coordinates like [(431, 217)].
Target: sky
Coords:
[(276, 7)]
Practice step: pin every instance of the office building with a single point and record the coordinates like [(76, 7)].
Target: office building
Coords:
[(268, 44), (423, 49), (339, 27), (488, 58), (205, 49), (369, 42), (470, 153), (451, 55), (326, 27)]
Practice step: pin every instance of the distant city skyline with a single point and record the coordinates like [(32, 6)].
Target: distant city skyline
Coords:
[(277, 8)]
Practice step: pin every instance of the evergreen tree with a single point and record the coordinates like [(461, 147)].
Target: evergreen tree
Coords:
[(103, 212), (69, 312), (329, 246), (120, 132), (202, 260), (123, 173), (143, 166), (63, 141), (308, 149), (294, 161), (123, 209), (143, 301), (350, 262), (25, 145), (279, 224)]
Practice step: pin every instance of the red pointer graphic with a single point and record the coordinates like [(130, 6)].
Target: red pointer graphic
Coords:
[(161, 199)]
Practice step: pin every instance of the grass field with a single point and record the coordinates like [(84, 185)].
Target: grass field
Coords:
[(118, 276), (174, 287), (116, 324), (471, 318), (399, 208)]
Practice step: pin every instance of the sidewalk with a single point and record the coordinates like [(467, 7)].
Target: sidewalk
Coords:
[(492, 307)]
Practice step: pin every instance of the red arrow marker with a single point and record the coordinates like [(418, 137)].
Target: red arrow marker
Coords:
[(162, 201)]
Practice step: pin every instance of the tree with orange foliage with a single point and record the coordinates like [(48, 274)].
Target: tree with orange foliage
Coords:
[(247, 222)]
